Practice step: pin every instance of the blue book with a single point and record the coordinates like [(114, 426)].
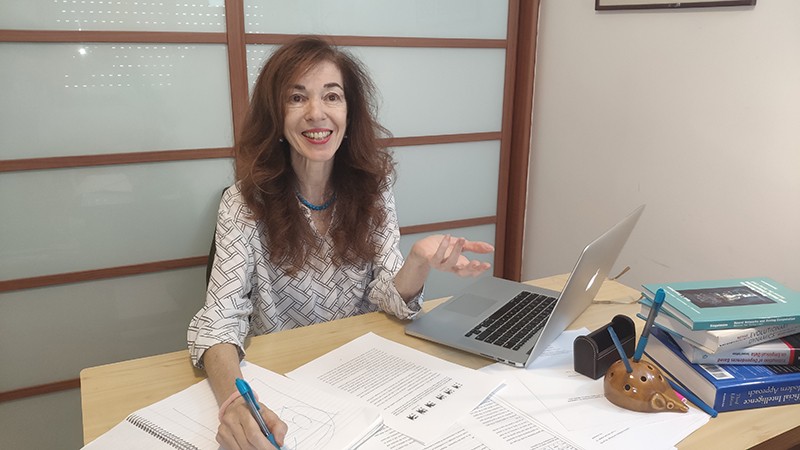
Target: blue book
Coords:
[(725, 387), (725, 304)]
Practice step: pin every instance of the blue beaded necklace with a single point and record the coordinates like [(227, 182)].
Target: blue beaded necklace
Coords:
[(310, 205)]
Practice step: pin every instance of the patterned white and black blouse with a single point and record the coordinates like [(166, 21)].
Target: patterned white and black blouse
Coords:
[(249, 295)]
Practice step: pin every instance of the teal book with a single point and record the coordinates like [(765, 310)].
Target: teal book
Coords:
[(726, 304)]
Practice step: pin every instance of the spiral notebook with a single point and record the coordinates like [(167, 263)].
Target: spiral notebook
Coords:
[(188, 420)]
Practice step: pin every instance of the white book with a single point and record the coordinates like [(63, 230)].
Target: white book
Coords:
[(188, 420), (775, 352), (713, 341)]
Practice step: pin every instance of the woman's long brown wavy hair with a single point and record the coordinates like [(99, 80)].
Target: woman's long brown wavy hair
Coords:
[(362, 165)]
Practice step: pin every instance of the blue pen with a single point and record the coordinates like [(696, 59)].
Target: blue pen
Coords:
[(621, 350), (692, 398), (250, 399), (657, 302)]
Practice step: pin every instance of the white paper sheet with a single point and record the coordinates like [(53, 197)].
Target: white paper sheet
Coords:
[(494, 424), (499, 424), (569, 395), (658, 430), (456, 438), (421, 396), (389, 439)]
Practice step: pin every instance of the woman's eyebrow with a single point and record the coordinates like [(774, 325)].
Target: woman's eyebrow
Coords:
[(334, 84)]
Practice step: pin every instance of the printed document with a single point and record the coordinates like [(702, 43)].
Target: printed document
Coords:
[(421, 396), (499, 424), (494, 424)]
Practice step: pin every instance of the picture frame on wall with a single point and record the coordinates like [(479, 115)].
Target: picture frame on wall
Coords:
[(609, 5)]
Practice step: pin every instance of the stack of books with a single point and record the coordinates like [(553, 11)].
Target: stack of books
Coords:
[(733, 343)]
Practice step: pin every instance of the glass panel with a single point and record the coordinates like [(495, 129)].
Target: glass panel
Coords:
[(67, 328), (69, 220), (444, 284), (415, 18), (113, 15), (428, 91), (22, 422), (77, 99), (431, 188), (438, 90), (257, 55)]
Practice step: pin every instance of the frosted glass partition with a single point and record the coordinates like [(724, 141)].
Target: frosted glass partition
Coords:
[(437, 183), (484, 19), (66, 220), (256, 57), (125, 97), (22, 422), (428, 91), (114, 15), (443, 284), (114, 320)]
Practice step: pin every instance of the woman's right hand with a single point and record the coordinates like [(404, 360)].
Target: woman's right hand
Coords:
[(238, 429), (446, 253)]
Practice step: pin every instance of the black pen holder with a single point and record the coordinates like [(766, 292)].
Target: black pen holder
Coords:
[(596, 352)]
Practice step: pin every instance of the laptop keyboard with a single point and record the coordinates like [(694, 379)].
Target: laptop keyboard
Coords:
[(513, 324)]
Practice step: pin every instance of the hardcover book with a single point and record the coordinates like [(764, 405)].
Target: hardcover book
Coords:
[(713, 341), (785, 351), (726, 387), (723, 304)]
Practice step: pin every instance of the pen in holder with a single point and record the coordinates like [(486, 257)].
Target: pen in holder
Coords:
[(639, 385)]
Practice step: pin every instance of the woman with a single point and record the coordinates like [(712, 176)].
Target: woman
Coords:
[(309, 231)]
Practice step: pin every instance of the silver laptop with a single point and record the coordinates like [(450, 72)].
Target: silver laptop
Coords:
[(514, 322)]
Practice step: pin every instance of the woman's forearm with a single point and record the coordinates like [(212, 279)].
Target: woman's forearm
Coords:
[(411, 277), (221, 363)]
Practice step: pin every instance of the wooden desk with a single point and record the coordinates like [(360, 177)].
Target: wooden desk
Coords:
[(110, 392)]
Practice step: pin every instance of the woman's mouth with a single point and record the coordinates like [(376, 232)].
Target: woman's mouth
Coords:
[(317, 136)]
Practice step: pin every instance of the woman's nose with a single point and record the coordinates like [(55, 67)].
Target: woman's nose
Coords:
[(315, 110)]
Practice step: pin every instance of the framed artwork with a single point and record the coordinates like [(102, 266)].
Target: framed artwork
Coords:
[(607, 5)]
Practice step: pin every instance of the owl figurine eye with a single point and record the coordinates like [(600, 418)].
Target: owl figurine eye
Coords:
[(644, 389)]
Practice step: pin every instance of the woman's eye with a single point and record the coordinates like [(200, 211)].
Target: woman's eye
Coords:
[(296, 98), (333, 97)]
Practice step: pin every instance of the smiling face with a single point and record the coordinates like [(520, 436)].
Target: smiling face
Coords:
[(316, 115)]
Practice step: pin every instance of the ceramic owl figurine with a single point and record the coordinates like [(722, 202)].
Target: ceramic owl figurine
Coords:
[(643, 389)]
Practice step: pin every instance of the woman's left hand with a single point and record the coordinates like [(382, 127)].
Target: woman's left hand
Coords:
[(445, 253)]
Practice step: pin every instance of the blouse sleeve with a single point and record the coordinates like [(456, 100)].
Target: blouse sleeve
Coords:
[(225, 316), (388, 261)]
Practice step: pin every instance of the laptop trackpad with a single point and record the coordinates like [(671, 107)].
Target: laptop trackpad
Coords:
[(470, 305)]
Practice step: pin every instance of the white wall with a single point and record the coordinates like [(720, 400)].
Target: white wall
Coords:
[(695, 112)]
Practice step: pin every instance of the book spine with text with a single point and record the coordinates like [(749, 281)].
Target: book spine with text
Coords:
[(755, 336), (783, 389), (726, 387), (784, 351), (713, 341)]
